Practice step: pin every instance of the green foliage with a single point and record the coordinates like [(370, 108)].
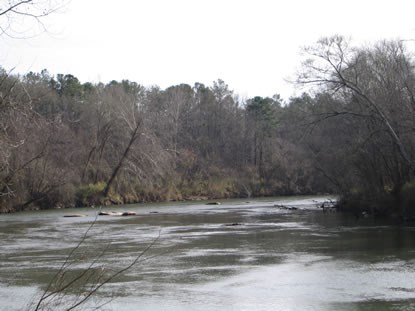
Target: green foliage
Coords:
[(67, 85), (89, 194), (264, 113)]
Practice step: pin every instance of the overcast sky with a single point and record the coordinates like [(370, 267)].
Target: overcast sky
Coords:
[(253, 45)]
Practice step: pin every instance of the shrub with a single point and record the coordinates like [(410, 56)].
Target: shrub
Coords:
[(89, 194)]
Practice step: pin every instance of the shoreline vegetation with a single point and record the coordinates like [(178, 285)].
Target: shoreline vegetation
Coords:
[(64, 143), (91, 196)]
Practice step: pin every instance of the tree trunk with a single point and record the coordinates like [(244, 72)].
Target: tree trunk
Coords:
[(117, 168)]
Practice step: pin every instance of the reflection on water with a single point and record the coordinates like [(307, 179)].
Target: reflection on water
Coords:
[(235, 256)]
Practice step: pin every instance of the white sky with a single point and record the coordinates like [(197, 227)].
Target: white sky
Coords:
[(253, 45)]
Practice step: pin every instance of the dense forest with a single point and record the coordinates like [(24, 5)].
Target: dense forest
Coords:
[(64, 143)]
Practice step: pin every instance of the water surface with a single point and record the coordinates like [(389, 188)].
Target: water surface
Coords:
[(235, 256)]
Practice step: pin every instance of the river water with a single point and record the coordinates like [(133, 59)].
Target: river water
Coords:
[(235, 256)]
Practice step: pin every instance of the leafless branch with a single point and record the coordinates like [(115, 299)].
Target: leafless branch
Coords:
[(13, 12), (55, 292)]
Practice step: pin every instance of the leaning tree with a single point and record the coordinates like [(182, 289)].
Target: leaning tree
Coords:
[(377, 85)]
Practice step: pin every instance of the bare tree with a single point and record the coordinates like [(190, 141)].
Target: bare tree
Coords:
[(380, 79)]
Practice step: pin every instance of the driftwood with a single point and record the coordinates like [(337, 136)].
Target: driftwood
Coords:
[(290, 208), (110, 214), (117, 213), (129, 214), (233, 224)]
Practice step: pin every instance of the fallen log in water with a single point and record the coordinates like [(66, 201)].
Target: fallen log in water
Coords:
[(128, 213), (290, 208), (109, 213)]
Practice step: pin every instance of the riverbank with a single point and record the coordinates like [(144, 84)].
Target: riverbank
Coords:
[(91, 195)]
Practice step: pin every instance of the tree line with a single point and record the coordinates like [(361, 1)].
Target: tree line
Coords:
[(65, 143)]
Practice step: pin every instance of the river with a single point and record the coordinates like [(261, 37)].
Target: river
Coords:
[(239, 255)]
